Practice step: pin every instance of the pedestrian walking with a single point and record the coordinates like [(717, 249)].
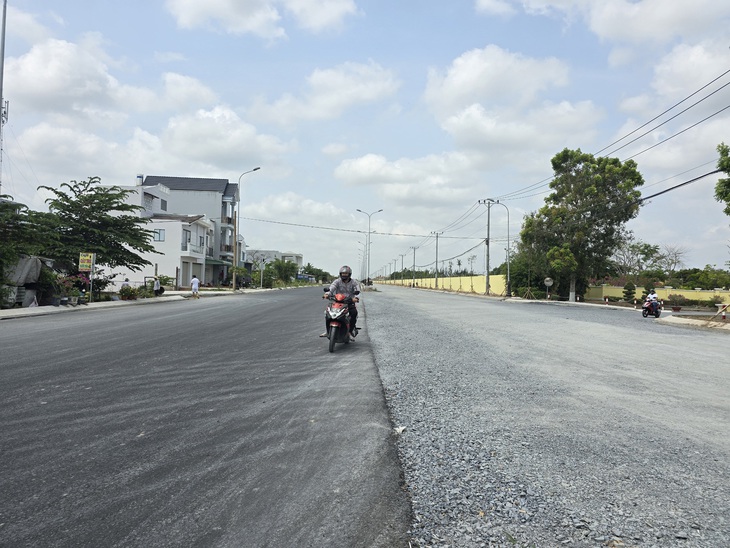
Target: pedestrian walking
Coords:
[(156, 287), (195, 286)]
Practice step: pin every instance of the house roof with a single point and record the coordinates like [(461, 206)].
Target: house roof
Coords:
[(222, 186), (176, 217)]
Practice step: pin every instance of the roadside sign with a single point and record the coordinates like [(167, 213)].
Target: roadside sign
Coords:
[(86, 262)]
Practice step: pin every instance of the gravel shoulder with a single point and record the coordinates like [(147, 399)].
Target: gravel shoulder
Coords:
[(529, 425)]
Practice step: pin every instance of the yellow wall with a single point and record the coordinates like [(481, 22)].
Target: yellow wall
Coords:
[(601, 291), (462, 284), (477, 284)]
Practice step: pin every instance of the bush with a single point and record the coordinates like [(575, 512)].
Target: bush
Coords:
[(677, 300), (127, 292), (629, 292)]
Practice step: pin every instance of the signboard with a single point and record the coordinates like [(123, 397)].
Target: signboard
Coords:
[(548, 282), (86, 262)]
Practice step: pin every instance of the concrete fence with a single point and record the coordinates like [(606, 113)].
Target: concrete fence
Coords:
[(478, 283)]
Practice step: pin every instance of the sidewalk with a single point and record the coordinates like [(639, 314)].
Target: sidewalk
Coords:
[(168, 296)]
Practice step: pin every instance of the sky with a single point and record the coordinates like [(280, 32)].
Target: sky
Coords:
[(422, 108)]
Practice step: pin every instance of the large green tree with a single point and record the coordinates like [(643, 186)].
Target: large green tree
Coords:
[(583, 220), (86, 217)]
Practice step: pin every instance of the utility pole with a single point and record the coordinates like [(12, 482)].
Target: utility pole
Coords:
[(488, 203), (414, 266), (402, 270), (3, 102), (437, 257)]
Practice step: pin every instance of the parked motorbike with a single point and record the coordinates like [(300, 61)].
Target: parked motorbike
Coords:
[(651, 308), (337, 316)]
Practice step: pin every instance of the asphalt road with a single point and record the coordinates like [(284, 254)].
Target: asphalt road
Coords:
[(215, 422)]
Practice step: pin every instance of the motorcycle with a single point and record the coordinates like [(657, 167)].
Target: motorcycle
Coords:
[(337, 316), (650, 308)]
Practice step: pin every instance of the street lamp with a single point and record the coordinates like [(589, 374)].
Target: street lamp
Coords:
[(237, 224), (368, 244)]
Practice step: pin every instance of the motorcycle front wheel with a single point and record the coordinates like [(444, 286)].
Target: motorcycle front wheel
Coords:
[(333, 337), (645, 312)]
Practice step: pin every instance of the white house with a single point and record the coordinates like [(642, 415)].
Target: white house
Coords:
[(195, 222)]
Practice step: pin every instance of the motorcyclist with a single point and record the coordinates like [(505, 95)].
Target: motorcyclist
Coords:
[(653, 298), (349, 287)]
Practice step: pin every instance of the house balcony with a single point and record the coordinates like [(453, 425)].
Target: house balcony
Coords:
[(228, 222), (227, 250), (192, 251)]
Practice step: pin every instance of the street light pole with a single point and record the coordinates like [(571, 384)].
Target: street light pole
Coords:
[(237, 224), (368, 253)]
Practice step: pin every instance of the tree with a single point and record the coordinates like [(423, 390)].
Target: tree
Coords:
[(672, 257), (284, 271), (89, 218), (22, 233), (722, 188), (632, 256), (15, 237), (318, 273), (582, 222)]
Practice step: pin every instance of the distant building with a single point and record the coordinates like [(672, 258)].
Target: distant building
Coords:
[(272, 255)]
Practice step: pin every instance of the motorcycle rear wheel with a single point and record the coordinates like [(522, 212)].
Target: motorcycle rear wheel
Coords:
[(658, 311), (333, 337)]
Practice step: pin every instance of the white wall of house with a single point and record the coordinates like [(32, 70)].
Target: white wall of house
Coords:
[(182, 251), (211, 205)]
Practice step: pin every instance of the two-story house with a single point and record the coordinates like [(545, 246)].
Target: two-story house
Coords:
[(194, 223)]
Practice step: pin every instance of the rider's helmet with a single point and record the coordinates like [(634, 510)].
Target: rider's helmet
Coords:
[(345, 273)]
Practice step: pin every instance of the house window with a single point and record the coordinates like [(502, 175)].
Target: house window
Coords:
[(163, 205), (159, 235), (201, 241)]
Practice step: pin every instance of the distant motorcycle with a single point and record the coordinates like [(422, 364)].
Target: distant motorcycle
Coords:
[(337, 316), (650, 308)]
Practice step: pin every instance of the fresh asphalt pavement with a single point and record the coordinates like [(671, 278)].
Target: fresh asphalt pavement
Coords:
[(210, 422)]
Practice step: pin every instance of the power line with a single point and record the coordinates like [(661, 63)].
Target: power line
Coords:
[(518, 194)]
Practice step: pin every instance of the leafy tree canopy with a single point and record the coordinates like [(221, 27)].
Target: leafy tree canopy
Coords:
[(582, 222), (722, 188), (20, 233), (86, 217)]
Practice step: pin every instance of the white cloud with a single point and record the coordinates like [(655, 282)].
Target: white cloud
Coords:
[(168, 57), (318, 15), (501, 138), (494, 7), (218, 137), (492, 76), (335, 149), (25, 26), (71, 76), (655, 21), (331, 92), (261, 18), (435, 179)]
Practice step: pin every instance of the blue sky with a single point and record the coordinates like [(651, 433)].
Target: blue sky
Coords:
[(420, 108)]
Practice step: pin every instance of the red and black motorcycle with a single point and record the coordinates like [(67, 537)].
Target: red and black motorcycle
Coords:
[(337, 316), (651, 308)]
